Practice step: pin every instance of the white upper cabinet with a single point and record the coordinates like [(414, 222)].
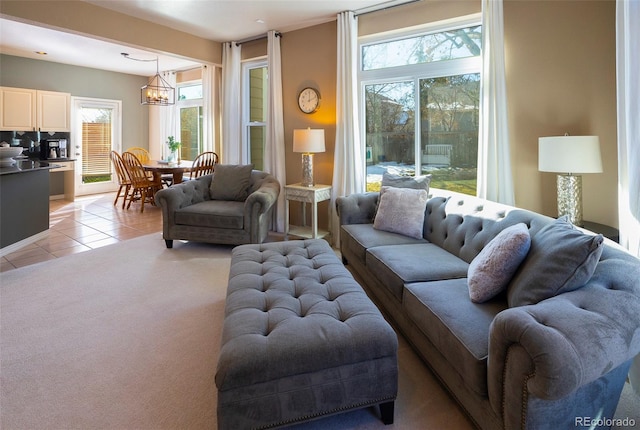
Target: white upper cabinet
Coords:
[(18, 107), (29, 110), (53, 111)]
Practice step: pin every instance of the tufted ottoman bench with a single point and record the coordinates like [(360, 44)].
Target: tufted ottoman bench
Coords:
[(300, 340)]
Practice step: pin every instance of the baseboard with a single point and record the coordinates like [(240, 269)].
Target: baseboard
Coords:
[(24, 242)]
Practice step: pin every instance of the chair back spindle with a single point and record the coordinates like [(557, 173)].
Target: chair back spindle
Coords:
[(204, 164)]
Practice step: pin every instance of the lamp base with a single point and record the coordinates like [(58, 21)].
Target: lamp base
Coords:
[(570, 198), (307, 170)]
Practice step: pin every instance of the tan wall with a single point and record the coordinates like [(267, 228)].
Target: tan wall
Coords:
[(309, 60), (304, 67), (560, 60)]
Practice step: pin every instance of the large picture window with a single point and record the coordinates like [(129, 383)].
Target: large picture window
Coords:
[(421, 102)]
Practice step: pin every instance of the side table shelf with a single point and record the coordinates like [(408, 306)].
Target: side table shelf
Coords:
[(313, 195), (605, 230)]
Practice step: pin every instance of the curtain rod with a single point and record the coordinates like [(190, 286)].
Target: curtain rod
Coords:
[(252, 38), (379, 7)]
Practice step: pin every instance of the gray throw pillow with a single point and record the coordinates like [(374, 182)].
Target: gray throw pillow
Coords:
[(401, 210), (231, 182), (398, 181), (492, 269), (561, 259), (415, 182)]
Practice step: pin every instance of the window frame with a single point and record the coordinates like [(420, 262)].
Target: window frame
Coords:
[(412, 72), (191, 103), (247, 66)]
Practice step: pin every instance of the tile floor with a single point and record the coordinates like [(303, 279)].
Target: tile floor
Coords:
[(87, 223)]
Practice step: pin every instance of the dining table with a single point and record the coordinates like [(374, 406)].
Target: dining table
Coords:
[(160, 167)]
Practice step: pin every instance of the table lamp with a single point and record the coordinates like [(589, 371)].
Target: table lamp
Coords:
[(568, 155), (307, 141)]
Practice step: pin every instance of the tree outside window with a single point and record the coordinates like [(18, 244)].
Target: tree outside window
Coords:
[(436, 75)]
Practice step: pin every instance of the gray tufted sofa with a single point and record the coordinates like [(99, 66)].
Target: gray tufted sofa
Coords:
[(300, 340), (541, 366), (189, 213)]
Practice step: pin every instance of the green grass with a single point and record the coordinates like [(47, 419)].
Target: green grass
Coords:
[(465, 186), (86, 179)]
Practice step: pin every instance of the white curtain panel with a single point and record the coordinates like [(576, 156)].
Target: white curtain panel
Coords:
[(628, 82), (348, 161), (208, 107), (274, 151), (168, 120), (231, 145), (495, 181)]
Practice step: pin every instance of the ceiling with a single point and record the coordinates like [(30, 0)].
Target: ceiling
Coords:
[(219, 20)]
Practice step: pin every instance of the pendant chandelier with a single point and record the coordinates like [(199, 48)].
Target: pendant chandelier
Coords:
[(157, 91)]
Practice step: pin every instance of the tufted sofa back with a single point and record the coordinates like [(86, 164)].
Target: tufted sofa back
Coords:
[(463, 224), (200, 189)]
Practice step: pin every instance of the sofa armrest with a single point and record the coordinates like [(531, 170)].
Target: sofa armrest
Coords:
[(258, 205), (182, 195), (552, 348), (359, 208)]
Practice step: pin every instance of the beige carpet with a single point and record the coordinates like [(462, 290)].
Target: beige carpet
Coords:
[(127, 337)]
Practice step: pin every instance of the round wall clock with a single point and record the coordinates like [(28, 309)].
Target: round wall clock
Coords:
[(309, 100)]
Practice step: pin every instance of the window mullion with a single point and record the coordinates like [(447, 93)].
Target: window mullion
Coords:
[(417, 126)]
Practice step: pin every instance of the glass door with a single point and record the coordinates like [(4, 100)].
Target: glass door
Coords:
[(96, 132)]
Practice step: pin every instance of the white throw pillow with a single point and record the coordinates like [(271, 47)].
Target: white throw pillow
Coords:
[(401, 210), (492, 269)]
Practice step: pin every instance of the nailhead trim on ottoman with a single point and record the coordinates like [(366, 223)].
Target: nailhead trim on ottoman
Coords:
[(301, 339)]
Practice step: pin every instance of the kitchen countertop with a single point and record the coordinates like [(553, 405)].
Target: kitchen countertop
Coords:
[(29, 165)]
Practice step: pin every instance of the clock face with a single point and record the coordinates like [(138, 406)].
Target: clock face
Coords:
[(309, 100)]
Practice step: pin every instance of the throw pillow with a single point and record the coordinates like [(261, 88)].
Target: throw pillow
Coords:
[(231, 182), (398, 181), (415, 182), (492, 269), (561, 259), (401, 210)]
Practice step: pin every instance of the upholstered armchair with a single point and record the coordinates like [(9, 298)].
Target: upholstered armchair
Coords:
[(231, 206)]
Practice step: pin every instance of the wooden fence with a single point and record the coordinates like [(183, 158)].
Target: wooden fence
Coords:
[(96, 148)]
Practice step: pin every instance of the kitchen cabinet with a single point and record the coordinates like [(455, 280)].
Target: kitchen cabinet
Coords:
[(18, 109), (53, 111), (67, 170), (23, 109), (24, 202)]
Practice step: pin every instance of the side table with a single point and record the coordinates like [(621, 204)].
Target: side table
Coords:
[(607, 231), (304, 194)]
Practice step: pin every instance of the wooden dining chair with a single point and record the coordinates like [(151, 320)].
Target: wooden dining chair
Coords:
[(143, 156), (123, 178), (142, 188), (141, 153), (204, 164)]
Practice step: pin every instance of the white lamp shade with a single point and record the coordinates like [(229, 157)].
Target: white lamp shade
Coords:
[(308, 140), (569, 154)]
